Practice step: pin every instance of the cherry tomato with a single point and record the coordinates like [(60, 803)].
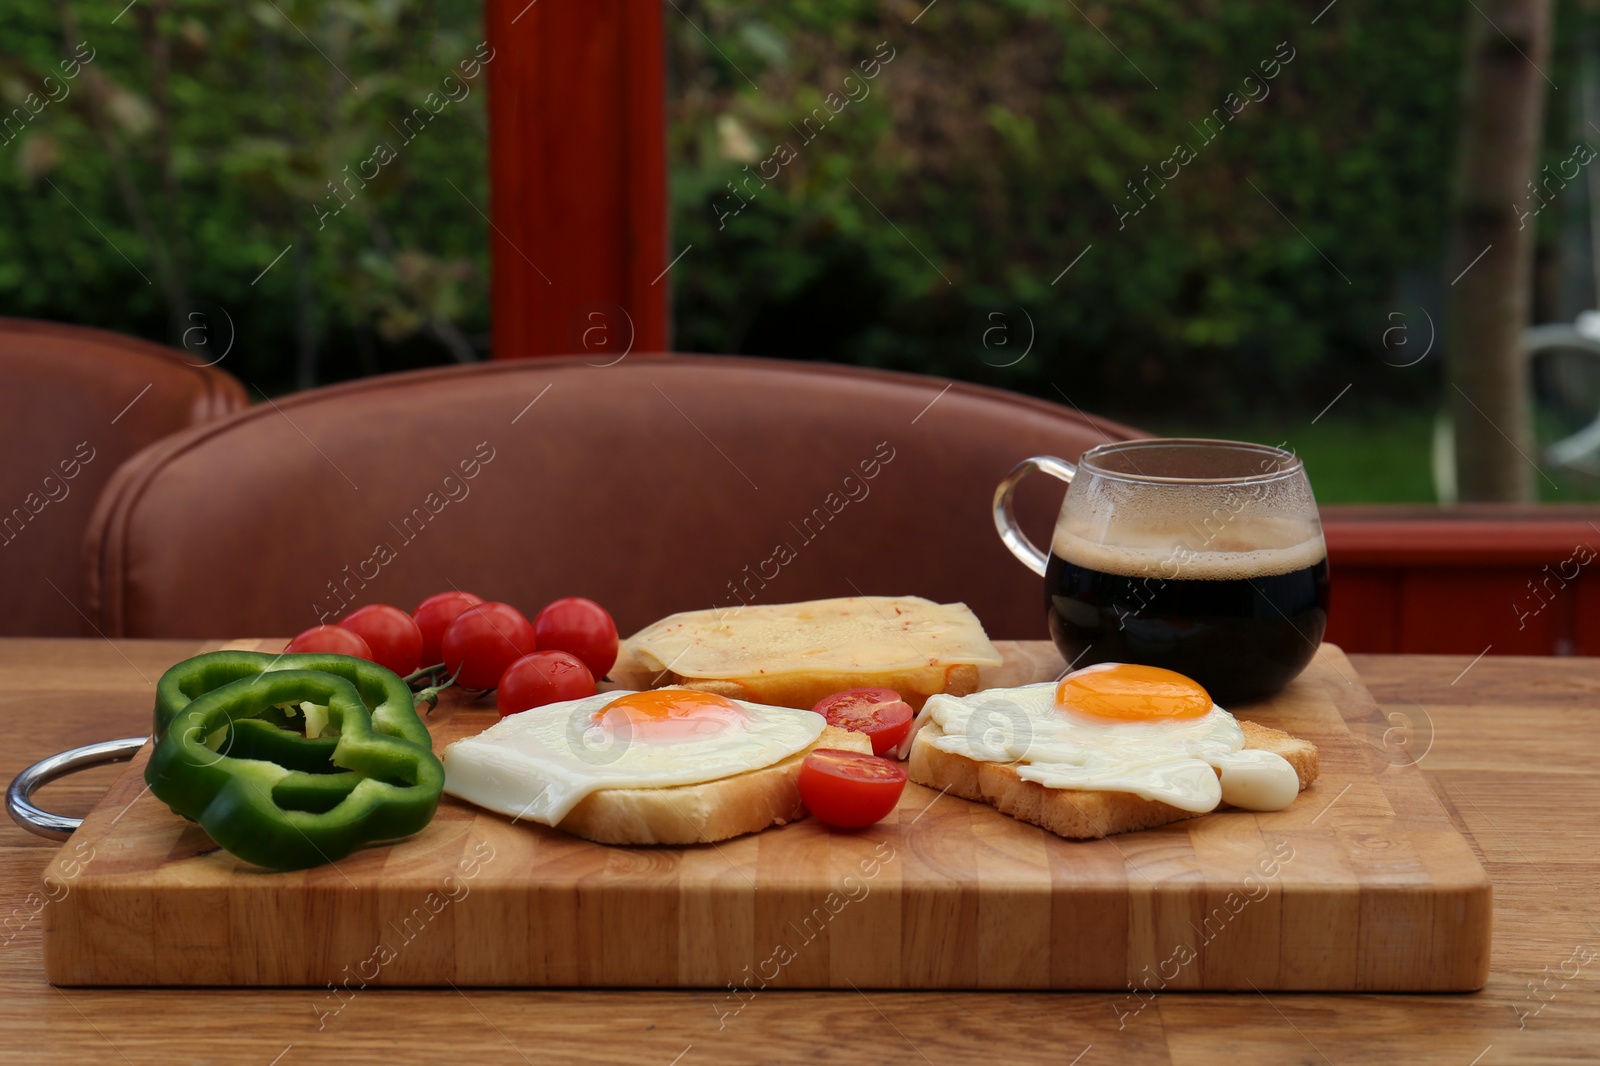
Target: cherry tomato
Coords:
[(483, 641), (333, 639), (849, 789), (541, 678), (394, 638), (880, 713), (434, 615), (581, 627)]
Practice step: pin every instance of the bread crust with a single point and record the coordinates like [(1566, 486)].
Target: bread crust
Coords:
[(1073, 813), (804, 690), (703, 813)]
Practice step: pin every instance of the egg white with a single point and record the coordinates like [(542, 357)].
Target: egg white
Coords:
[(1174, 761), (541, 763)]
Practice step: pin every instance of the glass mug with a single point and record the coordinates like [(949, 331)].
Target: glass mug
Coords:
[(1200, 556)]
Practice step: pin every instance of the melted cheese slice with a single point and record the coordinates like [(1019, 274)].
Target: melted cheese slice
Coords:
[(850, 635)]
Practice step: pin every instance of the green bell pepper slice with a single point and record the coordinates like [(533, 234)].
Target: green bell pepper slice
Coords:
[(378, 784), (274, 735)]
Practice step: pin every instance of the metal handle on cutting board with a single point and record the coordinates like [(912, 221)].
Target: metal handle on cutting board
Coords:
[(19, 797)]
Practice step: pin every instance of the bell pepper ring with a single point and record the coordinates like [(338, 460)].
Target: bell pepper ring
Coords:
[(274, 735), (376, 784)]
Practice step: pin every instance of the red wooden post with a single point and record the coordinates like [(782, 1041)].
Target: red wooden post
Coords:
[(578, 177)]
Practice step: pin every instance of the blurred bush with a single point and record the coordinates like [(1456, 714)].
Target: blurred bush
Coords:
[(994, 144), (1000, 141), (196, 145)]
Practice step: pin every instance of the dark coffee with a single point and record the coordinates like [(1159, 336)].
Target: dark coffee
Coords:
[(1243, 636)]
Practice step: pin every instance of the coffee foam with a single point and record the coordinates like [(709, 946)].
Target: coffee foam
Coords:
[(1246, 549)]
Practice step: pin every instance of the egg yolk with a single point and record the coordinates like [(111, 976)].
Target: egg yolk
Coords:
[(670, 713), (1130, 693)]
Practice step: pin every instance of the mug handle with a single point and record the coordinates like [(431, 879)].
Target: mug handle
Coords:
[(1005, 513)]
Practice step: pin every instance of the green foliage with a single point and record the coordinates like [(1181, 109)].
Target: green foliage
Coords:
[(198, 144), (994, 145), (1000, 141)]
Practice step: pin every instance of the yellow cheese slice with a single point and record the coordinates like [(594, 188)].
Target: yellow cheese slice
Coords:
[(852, 634)]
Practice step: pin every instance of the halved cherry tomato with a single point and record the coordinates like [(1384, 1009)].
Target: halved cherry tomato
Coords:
[(850, 789), (581, 627), (394, 638), (483, 641), (541, 678), (434, 615), (880, 713), (333, 639)]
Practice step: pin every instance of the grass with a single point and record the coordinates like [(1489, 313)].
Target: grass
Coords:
[(1376, 456)]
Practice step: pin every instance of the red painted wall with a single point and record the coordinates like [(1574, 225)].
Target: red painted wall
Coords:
[(578, 177)]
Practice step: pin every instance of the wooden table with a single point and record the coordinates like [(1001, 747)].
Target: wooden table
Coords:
[(1510, 746)]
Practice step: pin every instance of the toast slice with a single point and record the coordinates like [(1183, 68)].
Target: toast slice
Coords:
[(1073, 813), (703, 813)]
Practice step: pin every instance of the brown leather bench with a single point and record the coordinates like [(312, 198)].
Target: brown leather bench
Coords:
[(655, 485), (75, 403)]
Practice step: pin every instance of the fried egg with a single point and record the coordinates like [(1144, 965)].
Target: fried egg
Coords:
[(1115, 727), (541, 763)]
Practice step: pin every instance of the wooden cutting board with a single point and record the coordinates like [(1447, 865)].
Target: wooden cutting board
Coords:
[(1363, 884)]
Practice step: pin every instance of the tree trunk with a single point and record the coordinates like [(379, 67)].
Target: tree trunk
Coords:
[(1491, 247)]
